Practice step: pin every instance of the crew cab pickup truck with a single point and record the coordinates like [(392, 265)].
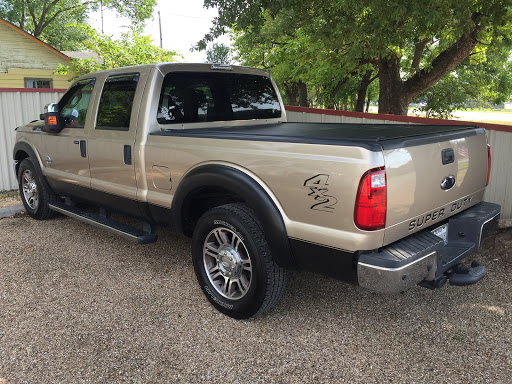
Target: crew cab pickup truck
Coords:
[(207, 150)]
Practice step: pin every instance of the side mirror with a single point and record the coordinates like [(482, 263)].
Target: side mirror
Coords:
[(52, 120)]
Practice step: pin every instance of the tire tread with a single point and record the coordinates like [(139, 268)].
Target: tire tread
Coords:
[(276, 276), (46, 196)]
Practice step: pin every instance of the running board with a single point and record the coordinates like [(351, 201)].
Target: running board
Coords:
[(131, 233)]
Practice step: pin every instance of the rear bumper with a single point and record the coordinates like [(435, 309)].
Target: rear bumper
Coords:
[(423, 257)]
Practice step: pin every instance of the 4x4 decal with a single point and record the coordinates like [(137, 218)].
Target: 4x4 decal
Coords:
[(318, 191)]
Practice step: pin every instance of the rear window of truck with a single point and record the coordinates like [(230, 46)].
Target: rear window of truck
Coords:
[(192, 97)]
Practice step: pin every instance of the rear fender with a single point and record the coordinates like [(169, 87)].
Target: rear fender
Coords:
[(248, 190)]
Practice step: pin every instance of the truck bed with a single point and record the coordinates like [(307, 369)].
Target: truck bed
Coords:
[(374, 137)]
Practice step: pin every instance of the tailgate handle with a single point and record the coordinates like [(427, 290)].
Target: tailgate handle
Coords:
[(448, 156)]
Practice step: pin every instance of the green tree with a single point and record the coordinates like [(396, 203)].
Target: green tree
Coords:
[(483, 80), (218, 53), (410, 45), (38, 16), (131, 48), (305, 69)]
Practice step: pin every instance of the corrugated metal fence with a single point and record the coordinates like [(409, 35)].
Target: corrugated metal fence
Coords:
[(500, 137), (18, 107)]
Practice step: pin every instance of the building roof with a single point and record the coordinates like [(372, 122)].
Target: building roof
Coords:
[(35, 39), (82, 55)]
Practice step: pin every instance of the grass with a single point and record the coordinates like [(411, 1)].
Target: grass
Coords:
[(487, 110), (491, 122)]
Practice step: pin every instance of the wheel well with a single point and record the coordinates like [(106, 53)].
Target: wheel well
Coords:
[(202, 200), (19, 157)]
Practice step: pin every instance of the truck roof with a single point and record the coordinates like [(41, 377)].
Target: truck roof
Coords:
[(182, 67)]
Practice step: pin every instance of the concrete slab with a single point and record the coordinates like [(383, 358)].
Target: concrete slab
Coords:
[(11, 211)]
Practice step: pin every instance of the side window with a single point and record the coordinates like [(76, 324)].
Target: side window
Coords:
[(73, 105), (116, 102)]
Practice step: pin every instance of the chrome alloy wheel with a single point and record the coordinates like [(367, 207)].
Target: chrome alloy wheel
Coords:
[(227, 263), (30, 192)]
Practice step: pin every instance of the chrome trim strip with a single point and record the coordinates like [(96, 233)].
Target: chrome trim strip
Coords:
[(94, 223), (322, 245), (482, 228), (399, 268)]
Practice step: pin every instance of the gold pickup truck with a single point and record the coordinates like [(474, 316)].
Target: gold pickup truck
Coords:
[(207, 149)]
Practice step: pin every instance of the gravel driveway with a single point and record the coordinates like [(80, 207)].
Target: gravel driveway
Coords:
[(81, 305)]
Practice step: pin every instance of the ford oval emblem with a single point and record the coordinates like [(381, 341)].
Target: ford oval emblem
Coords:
[(448, 183)]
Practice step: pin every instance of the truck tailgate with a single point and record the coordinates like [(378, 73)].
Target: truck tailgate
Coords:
[(430, 179)]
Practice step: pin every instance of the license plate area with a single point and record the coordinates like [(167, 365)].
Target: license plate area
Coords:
[(441, 232)]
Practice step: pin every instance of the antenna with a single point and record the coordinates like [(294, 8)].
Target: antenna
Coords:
[(160, 26), (101, 10)]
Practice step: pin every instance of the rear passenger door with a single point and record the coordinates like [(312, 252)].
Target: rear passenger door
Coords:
[(110, 145)]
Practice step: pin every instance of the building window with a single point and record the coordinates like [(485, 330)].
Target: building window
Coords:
[(38, 83)]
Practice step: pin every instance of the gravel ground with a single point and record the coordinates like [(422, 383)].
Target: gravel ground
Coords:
[(81, 305), (9, 199)]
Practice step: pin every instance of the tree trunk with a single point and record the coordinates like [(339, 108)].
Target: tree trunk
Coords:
[(392, 98), (396, 94), (363, 88), (292, 92), (334, 92), (303, 95)]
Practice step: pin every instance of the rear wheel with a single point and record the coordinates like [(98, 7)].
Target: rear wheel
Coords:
[(233, 263), (34, 192)]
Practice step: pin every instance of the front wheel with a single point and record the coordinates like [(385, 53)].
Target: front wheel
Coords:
[(34, 192), (233, 263)]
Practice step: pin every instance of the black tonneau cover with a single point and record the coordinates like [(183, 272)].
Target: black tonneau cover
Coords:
[(375, 137)]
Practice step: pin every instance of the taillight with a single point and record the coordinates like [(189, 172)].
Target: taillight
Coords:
[(371, 204), (488, 164)]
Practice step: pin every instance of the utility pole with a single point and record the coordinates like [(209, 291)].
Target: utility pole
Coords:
[(101, 10), (160, 26)]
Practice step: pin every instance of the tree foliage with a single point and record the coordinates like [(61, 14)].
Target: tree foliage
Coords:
[(218, 53), (131, 48), (44, 18), (409, 45), (480, 81)]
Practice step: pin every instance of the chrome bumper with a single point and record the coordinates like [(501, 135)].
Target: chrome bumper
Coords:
[(423, 257), (396, 280)]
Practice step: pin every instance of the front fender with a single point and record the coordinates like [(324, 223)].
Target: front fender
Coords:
[(22, 146)]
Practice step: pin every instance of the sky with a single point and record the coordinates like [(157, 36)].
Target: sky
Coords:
[(184, 23)]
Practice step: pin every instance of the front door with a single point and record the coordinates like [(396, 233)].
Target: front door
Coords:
[(64, 154)]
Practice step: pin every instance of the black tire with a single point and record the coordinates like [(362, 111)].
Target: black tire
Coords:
[(36, 200), (257, 283)]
